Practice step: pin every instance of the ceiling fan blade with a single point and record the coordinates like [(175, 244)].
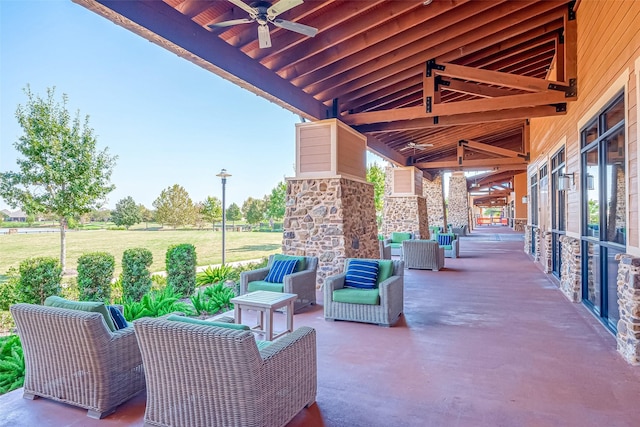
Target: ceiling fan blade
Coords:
[(242, 5), (294, 26), (264, 39), (282, 6), (405, 148), (230, 23)]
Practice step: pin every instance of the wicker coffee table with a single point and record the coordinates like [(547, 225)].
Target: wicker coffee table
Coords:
[(265, 303)]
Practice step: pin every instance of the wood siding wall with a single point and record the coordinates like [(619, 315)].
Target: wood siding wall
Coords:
[(608, 51), (520, 189)]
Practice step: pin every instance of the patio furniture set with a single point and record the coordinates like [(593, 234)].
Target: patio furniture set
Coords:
[(421, 253)]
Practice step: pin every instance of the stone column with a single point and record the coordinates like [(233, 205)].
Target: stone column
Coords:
[(528, 233), (546, 252), (436, 212), (458, 214), (628, 336), (331, 218), (571, 270), (404, 210)]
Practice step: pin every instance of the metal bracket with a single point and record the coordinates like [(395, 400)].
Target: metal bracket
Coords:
[(572, 14), (428, 104), (561, 36), (440, 81), (334, 109), (435, 120), (560, 108), (569, 91), (431, 65)]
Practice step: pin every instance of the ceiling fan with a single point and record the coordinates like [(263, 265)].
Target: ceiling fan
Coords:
[(415, 146), (264, 12)]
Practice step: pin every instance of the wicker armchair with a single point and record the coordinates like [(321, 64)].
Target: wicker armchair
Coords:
[(452, 249), (71, 356), (301, 283), (395, 241), (385, 250), (423, 254), (210, 376), (386, 313)]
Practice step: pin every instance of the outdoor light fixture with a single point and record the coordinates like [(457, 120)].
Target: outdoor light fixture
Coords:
[(591, 182), (564, 183), (525, 200), (426, 2), (223, 175)]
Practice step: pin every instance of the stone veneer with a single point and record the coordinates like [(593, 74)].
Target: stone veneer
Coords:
[(405, 214), (536, 237), (528, 232), (458, 207), (628, 336), (571, 268), (519, 224), (546, 251), (432, 191), (331, 218)]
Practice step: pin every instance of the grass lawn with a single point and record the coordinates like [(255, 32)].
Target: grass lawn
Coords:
[(239, 245)]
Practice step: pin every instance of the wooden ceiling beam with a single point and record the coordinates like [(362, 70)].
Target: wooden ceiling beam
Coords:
[(335, 87), (477, 89), (400, 45), (491, 149), (346, 39), (191, 41), (489, 163), (383, 150), (370, 98)]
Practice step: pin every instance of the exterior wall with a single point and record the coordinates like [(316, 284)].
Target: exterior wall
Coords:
[(545, 251), (520, 190), (607, 56), (432, 191), (331, 218), (628, 336), (458, 214)]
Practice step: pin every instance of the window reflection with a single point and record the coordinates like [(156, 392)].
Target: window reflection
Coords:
[(592, 199), (616, 188)]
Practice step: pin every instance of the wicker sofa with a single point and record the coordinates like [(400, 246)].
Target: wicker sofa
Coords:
[(212, 376), (385, 313), (73, 357), (423, 254), (301, 282)]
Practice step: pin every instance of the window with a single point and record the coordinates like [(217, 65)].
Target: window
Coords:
[(558, 211)]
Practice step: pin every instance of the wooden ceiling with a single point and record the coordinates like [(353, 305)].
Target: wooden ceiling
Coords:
[(464, 76)]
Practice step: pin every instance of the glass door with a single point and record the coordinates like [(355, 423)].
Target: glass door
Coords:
[(558, 211)]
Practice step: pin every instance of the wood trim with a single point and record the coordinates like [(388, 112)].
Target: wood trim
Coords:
[(479, 162), (479, 146)]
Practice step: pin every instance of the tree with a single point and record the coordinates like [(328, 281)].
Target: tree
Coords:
[(212, 210), (253, 210), (233, 213), (376, 176), (275, 202), (174, 207), (127, 213), (61, 171), (145, 214)]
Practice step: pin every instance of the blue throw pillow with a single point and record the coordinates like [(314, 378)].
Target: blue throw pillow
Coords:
[(445, 239), (361, 274), (279, 269), (117, 317)]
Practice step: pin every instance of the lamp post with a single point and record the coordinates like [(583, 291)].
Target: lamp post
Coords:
[(223, 175)]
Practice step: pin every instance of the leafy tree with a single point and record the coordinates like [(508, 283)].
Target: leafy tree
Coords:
[(174, 207), (253, 210), (212, 210), (233, 213), (275, 202), (127, 213), (61, 171), (376, 176), (102, 215), (145, 214)]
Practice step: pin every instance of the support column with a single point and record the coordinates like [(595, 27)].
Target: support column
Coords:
[(571, 270), (330, 210), (628, 335), (458, 214), (433, 192), (405, 207)]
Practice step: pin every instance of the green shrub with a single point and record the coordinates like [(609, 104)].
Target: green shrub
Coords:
[(8, 286), (235, 272), (7, 325), (212, 275), (181, 268), (11, 364), (212, 299), (136, 278), (95, 272), (159, 281), (39, 278), (155, 304), (69, 289)]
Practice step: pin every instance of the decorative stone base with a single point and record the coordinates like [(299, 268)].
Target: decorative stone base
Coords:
[(528, 232), (331, 218), (518, 224), (628, 336), (458, 214), (536, 236), (546, 251), (432, 191), (571, 270), (405, 214)]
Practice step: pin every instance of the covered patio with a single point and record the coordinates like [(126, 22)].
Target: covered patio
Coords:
[(490, 340)]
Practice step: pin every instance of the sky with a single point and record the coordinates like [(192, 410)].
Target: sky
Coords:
[(168, 120)]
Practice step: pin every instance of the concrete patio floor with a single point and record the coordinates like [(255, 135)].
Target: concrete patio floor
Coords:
[(488, 341)]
